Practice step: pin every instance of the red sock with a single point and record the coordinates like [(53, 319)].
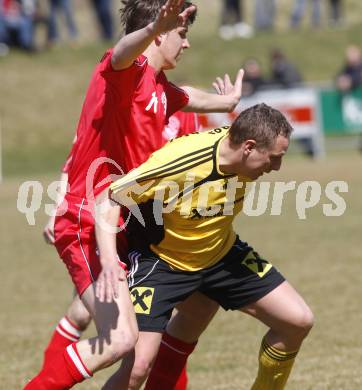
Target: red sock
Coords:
[(64, 334), (181, 383), (169, 370), (64, 372)]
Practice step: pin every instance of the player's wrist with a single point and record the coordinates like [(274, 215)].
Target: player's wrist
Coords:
[(152, 29), (109, 260), (233, 102)]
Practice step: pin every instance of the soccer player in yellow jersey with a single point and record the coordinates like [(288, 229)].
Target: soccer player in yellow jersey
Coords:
[(182, 202)]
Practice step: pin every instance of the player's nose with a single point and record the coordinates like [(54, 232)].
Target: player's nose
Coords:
[(186, 44)]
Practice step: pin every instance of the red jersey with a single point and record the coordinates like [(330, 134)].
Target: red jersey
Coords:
[(121, 124), (181, 123)]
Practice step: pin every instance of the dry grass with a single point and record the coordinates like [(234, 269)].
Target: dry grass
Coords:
[(40, 101), (320, 256)]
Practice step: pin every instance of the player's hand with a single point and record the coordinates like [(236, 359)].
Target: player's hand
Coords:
[(171, 17), (48, 232), (107, 285), (224, 86)]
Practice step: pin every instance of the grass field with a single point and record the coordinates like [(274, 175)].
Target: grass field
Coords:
[(320, 255), (40, 100)]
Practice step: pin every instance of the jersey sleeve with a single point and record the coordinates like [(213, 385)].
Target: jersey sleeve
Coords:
[(134, 188), (127, 77), (177, 98), (141, 184)]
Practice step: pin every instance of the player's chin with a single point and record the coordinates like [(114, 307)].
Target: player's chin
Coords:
[(170, 65)]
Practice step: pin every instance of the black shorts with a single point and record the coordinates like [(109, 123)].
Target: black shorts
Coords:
[(241, 277)]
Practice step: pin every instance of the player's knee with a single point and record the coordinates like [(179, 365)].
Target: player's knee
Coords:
[(307, 321), (81, 318), (121, 346), (140, 371), (303, 322), (79, 315)]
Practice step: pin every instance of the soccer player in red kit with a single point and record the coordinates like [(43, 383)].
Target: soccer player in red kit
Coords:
[(77, 318), (124, 113)]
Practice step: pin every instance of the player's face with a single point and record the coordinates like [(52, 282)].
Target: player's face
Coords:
[(260, 161), (172, 46)]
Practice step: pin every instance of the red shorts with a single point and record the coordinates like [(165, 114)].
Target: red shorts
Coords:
[(76, 243)]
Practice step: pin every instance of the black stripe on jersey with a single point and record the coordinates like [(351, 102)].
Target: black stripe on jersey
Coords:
[(162, 171), (185, 156), (214, 175), (171, 170), (183, 168)]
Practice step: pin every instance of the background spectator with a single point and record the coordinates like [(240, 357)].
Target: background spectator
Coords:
[(335, 12), (299, 11), (232, 21), (350, 76), (16, 23), (56, 7), (283, 73), (264, 14), (104, 15), (253, 77)]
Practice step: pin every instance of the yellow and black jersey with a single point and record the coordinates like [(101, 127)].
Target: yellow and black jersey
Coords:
[(181, 205)]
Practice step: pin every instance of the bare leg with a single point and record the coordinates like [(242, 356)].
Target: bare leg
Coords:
[(188, 322), (136, 366), (78, 314), (289, 320), (191, 317), (116, 325), (286, 314)]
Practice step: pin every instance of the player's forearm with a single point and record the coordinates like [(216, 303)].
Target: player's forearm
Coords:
[(131, 46), (107, 218), (201, 101)]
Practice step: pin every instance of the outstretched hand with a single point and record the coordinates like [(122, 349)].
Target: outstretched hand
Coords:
[(171, 17), (224, 86)]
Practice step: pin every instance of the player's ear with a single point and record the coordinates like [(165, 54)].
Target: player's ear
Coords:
[(249, 145), (158, 39)]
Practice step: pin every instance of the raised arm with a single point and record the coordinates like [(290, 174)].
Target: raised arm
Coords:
[(133, 44), (227, 97)]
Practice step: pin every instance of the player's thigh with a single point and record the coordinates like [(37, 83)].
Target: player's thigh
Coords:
[(147, 347), (191, 317), (115, 319), (281, 308), (197, 305)]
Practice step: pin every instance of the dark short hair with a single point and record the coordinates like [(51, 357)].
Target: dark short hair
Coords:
[(137, 14), (261, 123)]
